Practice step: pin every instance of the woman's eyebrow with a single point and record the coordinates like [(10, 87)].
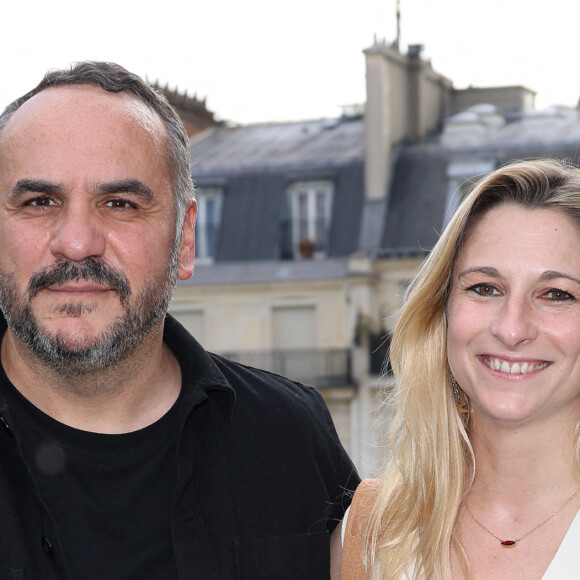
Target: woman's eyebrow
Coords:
[(553, 274), (547, 275), (487, 270)]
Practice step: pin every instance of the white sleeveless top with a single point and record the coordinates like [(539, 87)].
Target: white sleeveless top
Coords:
[(566, 563), (564, 566)]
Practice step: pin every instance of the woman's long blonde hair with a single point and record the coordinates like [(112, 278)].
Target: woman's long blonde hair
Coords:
[(411, 524)]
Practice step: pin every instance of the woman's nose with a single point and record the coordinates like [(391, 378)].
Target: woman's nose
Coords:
[(514, 323)]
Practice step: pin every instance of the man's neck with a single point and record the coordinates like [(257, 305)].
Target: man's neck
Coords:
[(125, 397)]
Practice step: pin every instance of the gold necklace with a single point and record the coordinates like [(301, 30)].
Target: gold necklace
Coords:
[(512, 543)]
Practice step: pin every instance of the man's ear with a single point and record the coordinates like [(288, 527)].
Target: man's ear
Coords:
[(187, 246)]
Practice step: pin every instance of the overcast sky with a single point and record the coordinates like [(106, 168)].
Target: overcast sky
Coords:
[(264, 60)]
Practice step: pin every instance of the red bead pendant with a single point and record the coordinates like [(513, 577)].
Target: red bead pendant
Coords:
[(508, 542)]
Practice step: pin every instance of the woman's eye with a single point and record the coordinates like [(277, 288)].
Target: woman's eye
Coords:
[(559, 295), (484, 289)]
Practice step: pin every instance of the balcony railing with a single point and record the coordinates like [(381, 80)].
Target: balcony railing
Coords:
[(315, 367)]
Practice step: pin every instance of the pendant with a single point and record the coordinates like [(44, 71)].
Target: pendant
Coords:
[(508, 543)]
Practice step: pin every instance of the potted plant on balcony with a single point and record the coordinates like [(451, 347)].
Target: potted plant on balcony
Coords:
[(306, 247)]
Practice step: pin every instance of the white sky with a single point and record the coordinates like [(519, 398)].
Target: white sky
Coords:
[(263, 60)]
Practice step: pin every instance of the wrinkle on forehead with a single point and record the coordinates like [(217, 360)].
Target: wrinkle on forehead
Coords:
[(54, 104), (56, 110)]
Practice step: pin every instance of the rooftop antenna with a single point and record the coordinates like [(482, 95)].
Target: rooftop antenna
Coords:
[(398, 39)]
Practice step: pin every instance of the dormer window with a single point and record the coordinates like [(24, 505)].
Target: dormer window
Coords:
[(209, 204), (311, 205)]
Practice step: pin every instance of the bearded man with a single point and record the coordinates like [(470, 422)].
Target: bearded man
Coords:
[(127, 450)]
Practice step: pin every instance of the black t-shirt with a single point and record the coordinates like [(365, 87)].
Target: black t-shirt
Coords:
[(110, 495)]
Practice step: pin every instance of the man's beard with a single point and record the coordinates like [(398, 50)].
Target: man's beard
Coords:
[(116, 343)]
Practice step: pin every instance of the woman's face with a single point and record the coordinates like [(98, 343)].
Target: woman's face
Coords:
[(514, 316)]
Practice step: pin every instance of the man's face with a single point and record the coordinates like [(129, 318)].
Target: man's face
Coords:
[(88, 260)]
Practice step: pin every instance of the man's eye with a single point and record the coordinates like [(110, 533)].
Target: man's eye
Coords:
[(42, 201), (119, 204), (559, 295), (484, 289)]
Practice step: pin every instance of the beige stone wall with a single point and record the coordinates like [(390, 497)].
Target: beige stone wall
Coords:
[(239, 316)]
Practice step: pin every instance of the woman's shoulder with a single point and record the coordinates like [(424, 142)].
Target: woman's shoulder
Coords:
[(353, 561), (361, 503)]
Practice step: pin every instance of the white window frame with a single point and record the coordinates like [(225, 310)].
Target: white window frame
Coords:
[(202, 249), (311, 190)]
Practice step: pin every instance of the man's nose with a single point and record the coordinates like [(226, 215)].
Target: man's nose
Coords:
[(515, 323), (78, 233)]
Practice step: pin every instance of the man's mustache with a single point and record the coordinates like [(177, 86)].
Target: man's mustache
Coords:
[(90, 268)]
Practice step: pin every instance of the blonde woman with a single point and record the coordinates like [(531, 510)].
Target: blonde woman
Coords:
[(485, 479)]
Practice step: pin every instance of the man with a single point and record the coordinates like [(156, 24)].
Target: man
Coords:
[(127, 450)]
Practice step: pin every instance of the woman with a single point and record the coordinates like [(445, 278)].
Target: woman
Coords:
[(485, 476)]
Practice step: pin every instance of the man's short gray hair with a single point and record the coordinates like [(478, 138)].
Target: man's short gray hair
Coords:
[(114, 78)]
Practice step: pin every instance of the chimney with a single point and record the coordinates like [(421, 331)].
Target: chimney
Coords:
[(406, 101)]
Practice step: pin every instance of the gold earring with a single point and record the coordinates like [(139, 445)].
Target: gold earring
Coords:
[(461, 401)]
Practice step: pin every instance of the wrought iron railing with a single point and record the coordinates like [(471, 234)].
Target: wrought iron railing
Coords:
[(316, 367)]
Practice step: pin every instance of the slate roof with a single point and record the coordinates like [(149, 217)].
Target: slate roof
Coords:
[(418, 191), (270, 146), (255, 164)]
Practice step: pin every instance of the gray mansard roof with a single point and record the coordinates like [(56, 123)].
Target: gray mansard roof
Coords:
[(278, 147), (255, 164), (421, 172)]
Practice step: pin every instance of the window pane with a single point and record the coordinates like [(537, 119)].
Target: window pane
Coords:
[(208, 222), (211, 225), (302, 215), (320, 219)]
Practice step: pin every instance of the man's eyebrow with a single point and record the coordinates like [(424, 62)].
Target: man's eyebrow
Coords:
[(133, 186), (25, 186)]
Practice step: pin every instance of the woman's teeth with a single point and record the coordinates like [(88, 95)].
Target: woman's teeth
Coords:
[(513, 368)]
